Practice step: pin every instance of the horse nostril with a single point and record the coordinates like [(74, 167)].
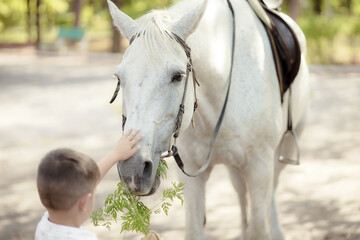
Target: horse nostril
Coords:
[(148, 165)]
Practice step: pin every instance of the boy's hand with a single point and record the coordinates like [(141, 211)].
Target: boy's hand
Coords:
[(123, 150), (125, 147)]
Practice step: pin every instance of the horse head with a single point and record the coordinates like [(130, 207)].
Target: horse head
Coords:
[(153, 74)]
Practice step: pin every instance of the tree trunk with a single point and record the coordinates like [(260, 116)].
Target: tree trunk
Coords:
[(28, 20), (77, 10), (348, 4), (294, 8), (116, 39), (318, 6), (38, 30)]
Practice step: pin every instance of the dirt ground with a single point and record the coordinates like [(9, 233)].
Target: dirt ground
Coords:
[(49, 101)]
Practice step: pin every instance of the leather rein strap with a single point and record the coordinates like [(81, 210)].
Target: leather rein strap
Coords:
[(174, 150)]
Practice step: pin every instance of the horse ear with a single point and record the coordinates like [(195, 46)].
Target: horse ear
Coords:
[(188, 23), (127, 26)]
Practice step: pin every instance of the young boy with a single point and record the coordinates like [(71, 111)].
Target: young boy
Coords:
[(66, 184)]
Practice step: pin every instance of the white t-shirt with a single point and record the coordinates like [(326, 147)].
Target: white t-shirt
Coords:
[(47, 230)]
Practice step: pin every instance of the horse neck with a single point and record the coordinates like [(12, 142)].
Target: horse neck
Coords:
[(211, 45), (212, 42)]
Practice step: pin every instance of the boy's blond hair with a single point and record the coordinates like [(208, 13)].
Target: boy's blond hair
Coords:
[(65, 175)]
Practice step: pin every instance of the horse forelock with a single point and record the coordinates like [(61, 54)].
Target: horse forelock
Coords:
[(156, 37)]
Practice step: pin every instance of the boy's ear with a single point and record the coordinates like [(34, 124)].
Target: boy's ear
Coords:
[(82, 201)]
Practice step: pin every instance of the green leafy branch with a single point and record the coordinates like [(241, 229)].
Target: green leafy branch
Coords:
[(135, 216)]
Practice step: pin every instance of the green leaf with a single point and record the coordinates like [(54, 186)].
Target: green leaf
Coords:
[(134, 214)]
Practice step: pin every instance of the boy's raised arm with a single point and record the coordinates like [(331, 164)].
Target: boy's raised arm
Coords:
[(122, 151)]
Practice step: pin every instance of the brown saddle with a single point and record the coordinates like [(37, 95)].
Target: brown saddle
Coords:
[(287, 57), (286, 49)]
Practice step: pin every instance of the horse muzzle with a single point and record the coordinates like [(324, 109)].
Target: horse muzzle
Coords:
[(139, 176)]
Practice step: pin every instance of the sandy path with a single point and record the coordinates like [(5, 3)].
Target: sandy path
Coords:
[(48, 102)]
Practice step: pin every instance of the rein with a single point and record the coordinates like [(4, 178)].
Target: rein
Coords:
[(174, 151), (189, 68)]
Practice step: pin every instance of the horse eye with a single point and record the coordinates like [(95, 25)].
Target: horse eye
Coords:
[(177, 77)]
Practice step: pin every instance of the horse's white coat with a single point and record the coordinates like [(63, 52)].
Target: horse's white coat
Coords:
[(255, 119)]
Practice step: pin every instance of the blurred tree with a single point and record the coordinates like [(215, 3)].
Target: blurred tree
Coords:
[(38, 28), (294, 8), (77, 10), (318, 5), (348, 4), (28, 20), (12, 13), (326, 23)]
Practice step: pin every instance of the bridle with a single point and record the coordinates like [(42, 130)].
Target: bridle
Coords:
[(189, 68), (173, 151)]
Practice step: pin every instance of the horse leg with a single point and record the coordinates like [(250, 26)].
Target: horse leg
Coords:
[(240, 187), (194, 196), (259, 173), (290, 148), (276, 231)]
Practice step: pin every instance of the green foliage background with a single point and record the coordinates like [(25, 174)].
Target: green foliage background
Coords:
[(333, 36)]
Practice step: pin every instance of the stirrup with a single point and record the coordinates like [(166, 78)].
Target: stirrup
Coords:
[(287, 159)]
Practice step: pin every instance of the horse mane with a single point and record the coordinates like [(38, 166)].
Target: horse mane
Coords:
[(155, 34)]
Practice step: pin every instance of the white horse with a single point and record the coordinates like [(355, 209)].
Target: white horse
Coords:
[(152, 75)]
